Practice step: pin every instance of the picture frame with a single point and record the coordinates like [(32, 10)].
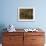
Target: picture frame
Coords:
[(26, 14)]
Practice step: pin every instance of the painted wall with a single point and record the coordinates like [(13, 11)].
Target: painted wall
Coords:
[(9, 14)]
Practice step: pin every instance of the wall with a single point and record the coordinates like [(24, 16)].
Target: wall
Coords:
[(9, 13)]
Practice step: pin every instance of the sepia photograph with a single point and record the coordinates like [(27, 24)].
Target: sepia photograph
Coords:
[(26, 14)]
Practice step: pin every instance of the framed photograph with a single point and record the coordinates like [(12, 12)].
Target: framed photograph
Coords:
[(26, 14)]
